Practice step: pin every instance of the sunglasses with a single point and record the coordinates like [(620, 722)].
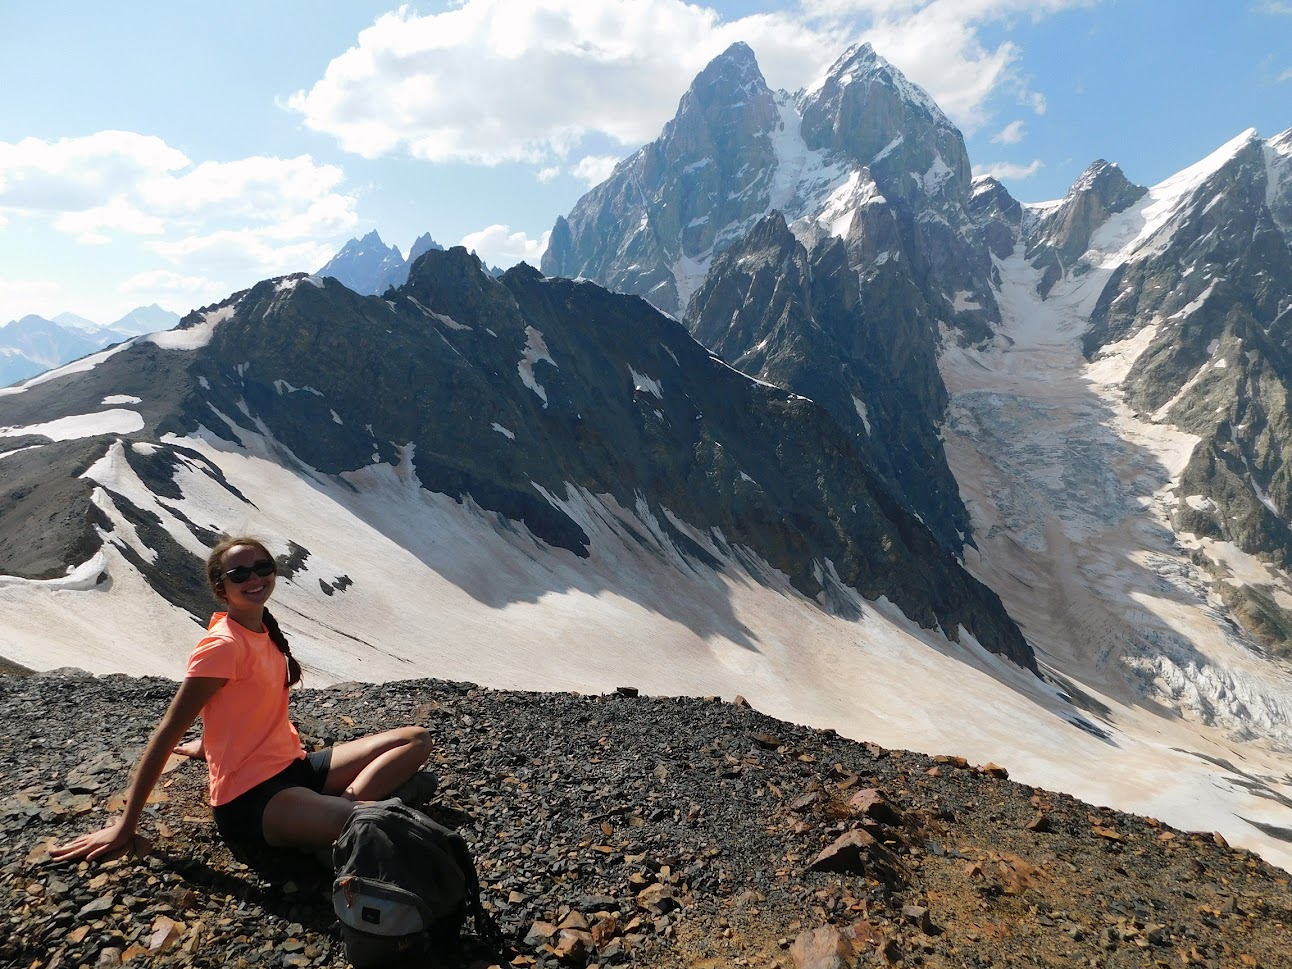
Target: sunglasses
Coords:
[(242, 573)]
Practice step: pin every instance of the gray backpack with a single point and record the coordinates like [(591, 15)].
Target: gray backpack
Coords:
[(404, 888)]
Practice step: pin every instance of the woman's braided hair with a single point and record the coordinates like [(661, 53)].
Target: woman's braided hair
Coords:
[(215, 578)]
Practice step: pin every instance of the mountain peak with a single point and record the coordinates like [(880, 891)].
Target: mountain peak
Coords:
[(421, 245), (738, 53), (732, 78), (858, 56), (1104, 177), (861, 62)]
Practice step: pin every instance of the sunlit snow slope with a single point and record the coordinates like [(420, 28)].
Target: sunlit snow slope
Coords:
[(432, 588)]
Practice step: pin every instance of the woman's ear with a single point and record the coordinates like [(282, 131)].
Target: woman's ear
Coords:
[(219, 591)]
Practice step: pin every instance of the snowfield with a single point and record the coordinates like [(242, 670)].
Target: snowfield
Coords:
[(438, 589)]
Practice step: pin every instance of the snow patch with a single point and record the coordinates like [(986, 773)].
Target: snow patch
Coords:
[(535, 350), (121, 399), (887, 150), (646, 384), (688, 274), (19, 450), (81, 578), (115, 421), (283, 387), (1133, 231), (450, 322), (862, 412), (195, 337), (503, 431), (84, 365)]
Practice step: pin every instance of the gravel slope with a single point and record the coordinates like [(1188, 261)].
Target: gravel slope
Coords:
[(619, 829)]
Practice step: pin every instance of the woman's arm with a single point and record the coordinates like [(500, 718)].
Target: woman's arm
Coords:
[(115, 838)]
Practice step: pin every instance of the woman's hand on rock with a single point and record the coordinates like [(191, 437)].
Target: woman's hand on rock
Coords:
[(105, 844)]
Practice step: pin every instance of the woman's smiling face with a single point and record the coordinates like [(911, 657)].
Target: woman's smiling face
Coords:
[(254, 591)]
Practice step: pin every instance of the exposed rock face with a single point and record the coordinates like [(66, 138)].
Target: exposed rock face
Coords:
[(1278, 167), (1063, 235), (1216, 287), (678, 198), (866, 354), (863, 154), (998, 216), (519, 394), (874, 181)]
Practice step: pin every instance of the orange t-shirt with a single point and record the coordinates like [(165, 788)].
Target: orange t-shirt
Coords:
[(245, 728)]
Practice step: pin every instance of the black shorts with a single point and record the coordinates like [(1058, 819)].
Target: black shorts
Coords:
[(239, 821)]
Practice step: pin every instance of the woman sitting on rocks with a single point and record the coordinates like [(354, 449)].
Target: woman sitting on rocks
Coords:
[(265, 790)]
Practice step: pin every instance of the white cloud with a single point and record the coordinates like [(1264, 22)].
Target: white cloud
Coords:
[(217, 225), (1285, 76), (489, 81), (595, 169), (1011, 134), (173, 289), (546, 175), (245, 254), (113, 182), (1277, 7), (1008, 171), (497, 245), (18, 297), (76, 174)]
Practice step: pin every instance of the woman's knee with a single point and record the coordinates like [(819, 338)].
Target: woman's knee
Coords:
[(419, 740)]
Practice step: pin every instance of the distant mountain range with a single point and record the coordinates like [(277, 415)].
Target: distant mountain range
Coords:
[(32, 345), (370, 267)]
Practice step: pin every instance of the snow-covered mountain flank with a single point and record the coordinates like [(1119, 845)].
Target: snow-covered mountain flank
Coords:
[(919, 462)]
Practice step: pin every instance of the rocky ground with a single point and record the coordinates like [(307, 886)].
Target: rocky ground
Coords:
[(626, 830)]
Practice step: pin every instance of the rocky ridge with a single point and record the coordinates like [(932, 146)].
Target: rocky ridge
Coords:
[(519, 394), (866, 353), (874, 183), (624, 829)]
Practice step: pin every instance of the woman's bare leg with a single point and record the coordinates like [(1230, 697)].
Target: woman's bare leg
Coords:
[(370, 768), (299, 818)]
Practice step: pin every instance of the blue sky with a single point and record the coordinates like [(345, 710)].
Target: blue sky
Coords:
[(174, 152)]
